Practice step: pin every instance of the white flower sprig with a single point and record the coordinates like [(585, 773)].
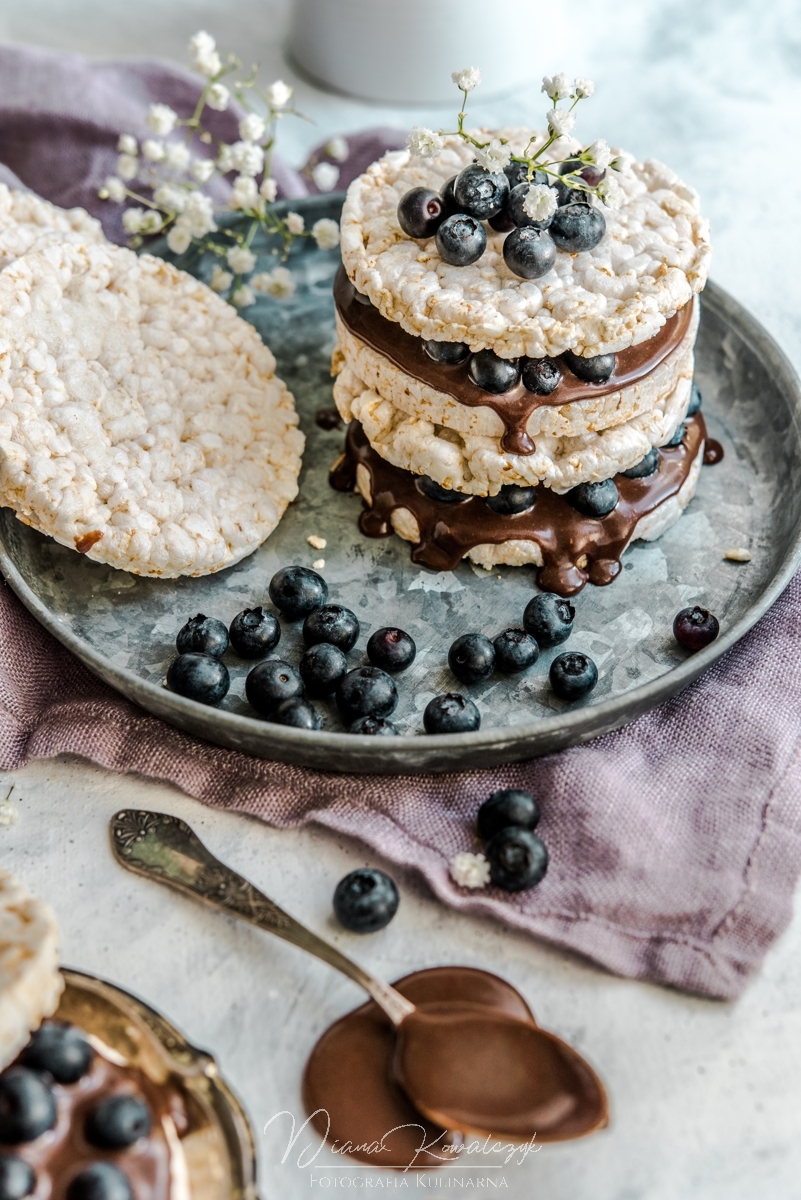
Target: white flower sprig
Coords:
[(590, 168), (172, 171)]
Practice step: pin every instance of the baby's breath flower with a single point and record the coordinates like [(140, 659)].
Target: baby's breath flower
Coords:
[(114, 189), (278, 283), (202, 170), (469, 870), (251, 128), (176, 156), (295, 223), (179, 239), (494, 156), (170, 197), (198, 215), (424, 143), (225, 159), (540, 202), (599, 154), (467, 79), (203, 49), (243, 296), (161, 119), (278, 94), (241, 260), (326, 233), (560, 121), (220, 280), (153, 150), (557, 87), (247, 158), (127, 166), (245, 193), (623, 161), (132, 219), (610, 192), (127, 145), (338, 149), (217, 97), (584, 88), (325, 176), (150, 222), (269, 190)]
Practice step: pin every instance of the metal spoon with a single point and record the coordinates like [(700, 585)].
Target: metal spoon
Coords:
[(466, 1067)]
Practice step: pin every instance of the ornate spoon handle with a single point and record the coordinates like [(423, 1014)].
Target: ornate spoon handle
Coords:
[(164, 848)]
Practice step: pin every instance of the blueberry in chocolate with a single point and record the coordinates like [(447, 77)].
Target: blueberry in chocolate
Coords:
[(435, 491), (492, 373), (504, 808), (332, 623), (17, 1178), (60, 1049), (199, 677), (516, 209), (577, 227), (366, 691), (594, 499), (270, 683), (518, 859), (374, 727), (695, 627), (451, 712), (297, 591), (645, 467), (446, 352), (515, 651), (27, 1106), (298, 713), (254, 633), (117, 1122), (480, 193), (472, 658), (678, 436), (529, 253), (597, 369), (573, 675), (421, 212), (549, 618), (461, 240), (100, 1181), (512, 499), (391, 649), (202, 635), (366, 900), (695, 401), (321, 669), (541, 375)]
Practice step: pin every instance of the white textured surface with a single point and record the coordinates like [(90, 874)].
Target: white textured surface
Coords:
[(30, 984), (705, 1096)]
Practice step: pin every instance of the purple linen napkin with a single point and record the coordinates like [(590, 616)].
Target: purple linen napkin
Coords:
[(675, 843)]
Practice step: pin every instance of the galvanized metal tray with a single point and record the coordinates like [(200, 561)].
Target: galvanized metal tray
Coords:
[(124, 627)]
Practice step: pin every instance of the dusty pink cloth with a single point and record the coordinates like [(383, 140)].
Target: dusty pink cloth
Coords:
[(675, 843)]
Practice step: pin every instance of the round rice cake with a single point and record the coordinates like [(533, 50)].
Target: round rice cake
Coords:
[(653, 259), (30, 981), (27, 222), (141, 420), (16, 240)]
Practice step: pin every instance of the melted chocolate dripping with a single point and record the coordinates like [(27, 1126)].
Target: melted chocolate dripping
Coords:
[(575, 548), (516, 406)]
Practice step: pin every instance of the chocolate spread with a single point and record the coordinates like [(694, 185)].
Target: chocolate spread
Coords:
[(513, 407), (575, 548)]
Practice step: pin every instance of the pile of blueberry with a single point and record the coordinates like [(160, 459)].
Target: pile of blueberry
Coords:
[(60, 1053), (547, 621), (517, 857), (454, 218)]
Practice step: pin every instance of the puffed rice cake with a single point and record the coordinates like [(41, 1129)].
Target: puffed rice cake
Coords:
[(30, 981), (29, 223)]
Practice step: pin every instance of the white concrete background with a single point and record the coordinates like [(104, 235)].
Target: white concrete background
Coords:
[(706, 1100)]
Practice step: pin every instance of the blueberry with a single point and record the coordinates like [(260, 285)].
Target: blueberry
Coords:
[(695, 628), (678, 436), (446, 352), (254, 633), (586, 171), (645, 467), (596, 369), (366, 900), (541, 375), (366, 691), (391, 649), (61, 1050), (203, 635), (517, 857), (334, 624), (451, 713), (594, 499), (461, 240), (517, 212), (577, 227), (529, 253), (518, 173), (199, 677), (17, 1178), (421, 212), (505, 808), (695, 401), (435, 492), (298, 713), (479, 193), (515, 650), (321, 669), (493, 374), (27, 1106), (270, 683), (502, 222), (566, 193), (512, 499), (448, 199), (472, 658), (297, 591), (374, 727), (117, 1122), (572, 675), (101, 1181), (549, 618)]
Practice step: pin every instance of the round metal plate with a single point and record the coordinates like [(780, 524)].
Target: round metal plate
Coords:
[(124, 627)]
